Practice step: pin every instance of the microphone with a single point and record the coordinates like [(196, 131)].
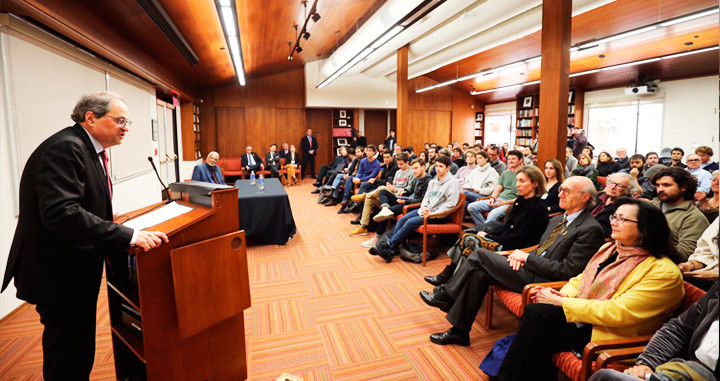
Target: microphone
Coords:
[(167, 191)]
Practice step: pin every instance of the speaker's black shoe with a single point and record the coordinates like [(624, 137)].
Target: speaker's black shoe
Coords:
[(443, 277), (440, 299), (451, 336)]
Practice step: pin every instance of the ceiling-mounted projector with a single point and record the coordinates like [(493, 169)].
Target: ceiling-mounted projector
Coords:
[(641, 90)]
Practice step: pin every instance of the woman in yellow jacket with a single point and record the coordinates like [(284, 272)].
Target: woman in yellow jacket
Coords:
[(629, 288)]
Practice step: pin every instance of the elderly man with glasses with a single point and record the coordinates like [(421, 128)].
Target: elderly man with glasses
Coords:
[(618, 184), (704, 178)]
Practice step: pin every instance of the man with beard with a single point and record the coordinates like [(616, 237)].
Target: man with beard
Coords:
[(675, 189)]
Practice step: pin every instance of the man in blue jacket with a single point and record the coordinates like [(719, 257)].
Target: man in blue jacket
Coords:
[(209, 172), (369, 168)]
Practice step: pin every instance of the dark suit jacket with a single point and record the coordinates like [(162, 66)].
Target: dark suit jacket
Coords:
[(570, 252), (284, 154), (275, 161), (244, 160), (289, 157), (306, 146), (202, 172), (65, 227)]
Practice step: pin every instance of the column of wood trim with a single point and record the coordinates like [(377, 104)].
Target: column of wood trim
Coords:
[(402, 93), (554, 79), (579, 107)]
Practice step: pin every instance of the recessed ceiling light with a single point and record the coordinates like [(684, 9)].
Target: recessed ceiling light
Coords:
[(601, 56), (688, 43)]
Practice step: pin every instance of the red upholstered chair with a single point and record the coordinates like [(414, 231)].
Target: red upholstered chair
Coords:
[(232, 166), (602, 180), (266, 171), (452, 226), (580, 370)]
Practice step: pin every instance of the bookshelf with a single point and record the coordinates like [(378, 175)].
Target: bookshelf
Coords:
[(526, 124), (196, 131), (343, 124), (479, 127)]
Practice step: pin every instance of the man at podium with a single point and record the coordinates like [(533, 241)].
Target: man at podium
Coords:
[(65, 228)]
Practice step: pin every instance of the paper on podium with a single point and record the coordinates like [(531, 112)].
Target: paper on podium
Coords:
[(158, 216)]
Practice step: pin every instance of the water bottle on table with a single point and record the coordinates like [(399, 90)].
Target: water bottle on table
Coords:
[(261, 182), (252, 178)]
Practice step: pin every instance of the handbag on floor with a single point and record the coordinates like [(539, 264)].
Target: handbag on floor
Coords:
[(494, 359), (412, 252)]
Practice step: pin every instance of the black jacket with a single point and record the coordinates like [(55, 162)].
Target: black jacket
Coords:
[(552, 200), (388, 173), (65, 227), (525, 224), (604, 169), (419, 189)]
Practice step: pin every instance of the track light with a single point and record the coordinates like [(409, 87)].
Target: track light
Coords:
[(306, 35), (298, 49), (315, 17)]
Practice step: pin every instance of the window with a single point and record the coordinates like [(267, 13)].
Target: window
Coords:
[(500, 127), (634, 125)]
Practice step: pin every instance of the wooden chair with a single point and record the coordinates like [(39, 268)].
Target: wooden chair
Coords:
[(581, 369), (512, 300), (453, 226), (232, 166)]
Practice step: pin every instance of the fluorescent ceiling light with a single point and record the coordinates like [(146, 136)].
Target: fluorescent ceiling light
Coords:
[(584, 73), (225, 3), (534, 59), (689, 53), (617, 36), (387, 36), (630, 64), (360, 56), (446, 83), (509, 66), (226, 12), (471, 76), (229, 21), (689, 17)]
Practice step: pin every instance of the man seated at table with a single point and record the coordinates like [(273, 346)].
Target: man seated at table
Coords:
[(272, 159), (568, 243), (251, 161), (209, 172)]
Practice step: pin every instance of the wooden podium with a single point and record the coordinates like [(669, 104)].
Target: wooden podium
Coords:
[(177, 311)]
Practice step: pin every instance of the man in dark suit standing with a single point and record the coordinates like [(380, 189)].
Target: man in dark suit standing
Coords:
[(251, 161), (309, 147), (65, 229), (272, 159), (569, 241), (209, 172)]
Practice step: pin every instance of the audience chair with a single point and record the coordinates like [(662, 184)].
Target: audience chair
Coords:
[(453, 226), (232, 167), (602, 180), (581, 369)]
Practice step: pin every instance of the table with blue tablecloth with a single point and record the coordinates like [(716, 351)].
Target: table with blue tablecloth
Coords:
[(265, 215)]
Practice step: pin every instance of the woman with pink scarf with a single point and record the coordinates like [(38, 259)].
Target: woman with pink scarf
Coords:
[(630, 287)]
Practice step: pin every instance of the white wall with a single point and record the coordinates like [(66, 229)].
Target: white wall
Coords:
[(348, 91), (690, 112)]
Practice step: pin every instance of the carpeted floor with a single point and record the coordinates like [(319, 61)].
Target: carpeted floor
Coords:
[(323, 309)]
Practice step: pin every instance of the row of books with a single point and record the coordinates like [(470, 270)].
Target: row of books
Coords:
[(526, 113), (524, 123), (523, 132), (523, 141)]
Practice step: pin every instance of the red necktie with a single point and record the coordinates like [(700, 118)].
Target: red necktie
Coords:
[(107, 170)]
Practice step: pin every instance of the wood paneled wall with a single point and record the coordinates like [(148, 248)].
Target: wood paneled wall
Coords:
[(376, 126), (320, 120)]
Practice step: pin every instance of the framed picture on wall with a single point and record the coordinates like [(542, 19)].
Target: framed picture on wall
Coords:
[(527, 102), (479, 117), (342, 142), (342, 122), (343, 114), (337, 151), (572, 95)]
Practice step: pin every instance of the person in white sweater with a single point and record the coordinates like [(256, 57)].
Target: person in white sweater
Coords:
[(701, 268), (482, 181), (469, 166)]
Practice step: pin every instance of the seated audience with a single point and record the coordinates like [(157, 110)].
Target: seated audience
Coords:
[(272, 159), (447, 153), (495, 162), (685, 343), (442, 195), (209, 172), (423, 155), (369, 168), (629, 288), (387, 174), (431, 156), (706, 154), (554, 176), (458, 157), (579, 140), (527, 152), (675, 190), (622, 158), (392, 205), (606, 164), (651, 159), (570, 161), (251, 161), (704, 178), (636, 170), (589, 151), (292, 160), (339, 163), (708, 205), (344, 175), (676, 155), (502, 197), (482, 180), (565, 248), (467, 168), (401, 185), (585, 168), (285, 151), (701, 268), (618, 184)]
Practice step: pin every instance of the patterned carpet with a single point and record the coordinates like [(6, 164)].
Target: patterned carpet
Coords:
[(323, 309)]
